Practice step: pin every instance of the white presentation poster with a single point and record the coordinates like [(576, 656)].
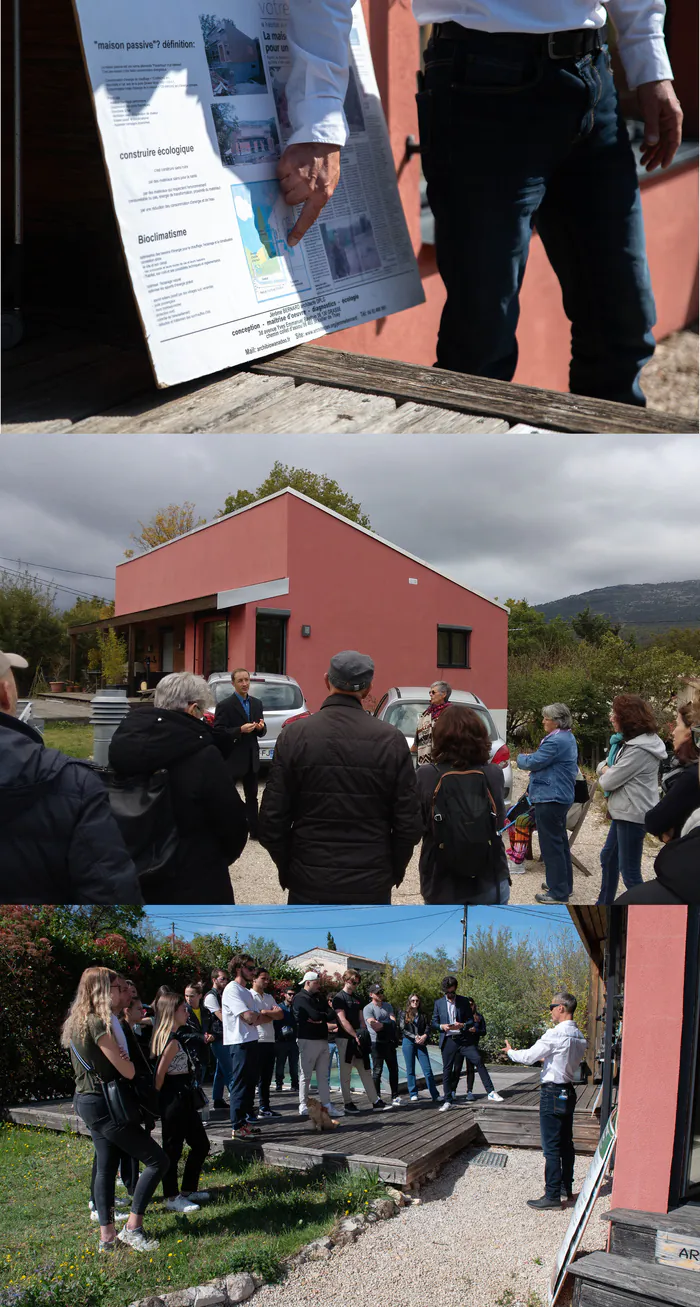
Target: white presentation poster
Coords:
[(192, 113)]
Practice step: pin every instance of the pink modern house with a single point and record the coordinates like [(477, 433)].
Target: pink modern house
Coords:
[(285, 583)]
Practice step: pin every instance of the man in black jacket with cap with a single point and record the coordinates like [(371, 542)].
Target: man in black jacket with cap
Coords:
[(340, 814), (59, 842)]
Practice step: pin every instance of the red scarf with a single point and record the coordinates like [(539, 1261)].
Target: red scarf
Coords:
[(436, 708)]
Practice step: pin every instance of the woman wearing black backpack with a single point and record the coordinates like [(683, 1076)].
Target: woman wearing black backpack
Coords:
[(180, 1100), (462, 796)]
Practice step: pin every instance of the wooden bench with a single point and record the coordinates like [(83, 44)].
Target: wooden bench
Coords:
[(633, 1234), (607, 1280)]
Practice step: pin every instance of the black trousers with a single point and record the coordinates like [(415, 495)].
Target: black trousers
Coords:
[(128, 1170), (287, 1050), (245, 1061), (181, 1124), (266, 1065), (110, 1141), (250, 794), (385, 1054), (557, 1135), (453, 1057)]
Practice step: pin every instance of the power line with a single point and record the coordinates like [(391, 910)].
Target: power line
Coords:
[(50, 567), (56, 585)]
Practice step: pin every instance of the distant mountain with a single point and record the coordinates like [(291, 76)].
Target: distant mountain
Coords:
[(648, 608)]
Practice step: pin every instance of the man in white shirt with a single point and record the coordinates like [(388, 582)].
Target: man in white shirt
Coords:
[(241, 1021), (519, 122), (561, 1052), (268, 1012)]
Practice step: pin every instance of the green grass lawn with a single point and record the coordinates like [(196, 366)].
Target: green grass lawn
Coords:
[(257, 1216), (73, 738)]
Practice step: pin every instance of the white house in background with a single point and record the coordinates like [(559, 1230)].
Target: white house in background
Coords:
[(328, 960)]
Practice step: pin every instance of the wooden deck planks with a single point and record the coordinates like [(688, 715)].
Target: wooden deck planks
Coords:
[(601, 1276), (452, 390), (425, 419), (317, 410), (216, 407)]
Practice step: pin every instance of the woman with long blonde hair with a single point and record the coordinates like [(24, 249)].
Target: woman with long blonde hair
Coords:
[(180, 1119), (99, 1054)]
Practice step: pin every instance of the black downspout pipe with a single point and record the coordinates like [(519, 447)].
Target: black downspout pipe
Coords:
[(613, 946)]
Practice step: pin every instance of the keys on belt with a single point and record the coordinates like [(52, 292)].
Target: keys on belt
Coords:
[(556, 45)]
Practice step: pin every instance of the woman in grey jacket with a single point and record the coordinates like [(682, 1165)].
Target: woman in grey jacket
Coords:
[(632, 788)]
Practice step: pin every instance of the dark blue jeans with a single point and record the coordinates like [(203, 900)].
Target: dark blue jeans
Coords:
[(621, 855), (245, 1073), (512, 140), (222, 1074), (411, 1051), (550, 819), (557, 1135)]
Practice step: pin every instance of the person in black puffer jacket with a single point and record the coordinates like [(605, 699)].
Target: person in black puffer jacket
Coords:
[(340, 813), (680, 785), (59, 842), (210, 815)]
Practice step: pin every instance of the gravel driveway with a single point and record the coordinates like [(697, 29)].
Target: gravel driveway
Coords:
[(254, 876), (472, 1240)]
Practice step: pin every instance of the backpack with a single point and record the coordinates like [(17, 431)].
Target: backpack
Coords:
[(464, 827), (143, 810)]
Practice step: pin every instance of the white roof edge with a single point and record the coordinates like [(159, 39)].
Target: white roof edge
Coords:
[(331, 513)]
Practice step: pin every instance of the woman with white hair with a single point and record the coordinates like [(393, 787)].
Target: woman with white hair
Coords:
[(209, 816), (439, 693), (554, 768)]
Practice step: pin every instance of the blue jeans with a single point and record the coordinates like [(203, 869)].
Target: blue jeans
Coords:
[(550, 819), (411, 1051), (621, 855), (222, 1074), (512, 140)]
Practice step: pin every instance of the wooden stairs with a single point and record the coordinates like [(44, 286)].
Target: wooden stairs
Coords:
[(653, 1261)]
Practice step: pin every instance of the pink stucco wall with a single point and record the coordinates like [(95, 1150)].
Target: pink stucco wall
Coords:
[(651, 1043)]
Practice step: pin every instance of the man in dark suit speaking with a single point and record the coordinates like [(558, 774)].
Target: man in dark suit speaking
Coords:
[(453, 1016), (241, 716)]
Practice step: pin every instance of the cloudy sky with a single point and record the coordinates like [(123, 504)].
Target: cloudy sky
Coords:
[(538, 517)]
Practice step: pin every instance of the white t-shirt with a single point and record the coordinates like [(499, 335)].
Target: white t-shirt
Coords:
[(263, 1003), (234, 1000), (119, 1034), (213, 1003)]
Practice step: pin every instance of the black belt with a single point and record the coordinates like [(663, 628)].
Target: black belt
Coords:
[(555, 45)]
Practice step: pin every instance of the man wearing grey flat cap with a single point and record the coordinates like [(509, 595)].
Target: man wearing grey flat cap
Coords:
[(59, 842), (340, 814)]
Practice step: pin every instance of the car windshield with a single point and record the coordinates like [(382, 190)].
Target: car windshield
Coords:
[(275, 696), (404, 714)]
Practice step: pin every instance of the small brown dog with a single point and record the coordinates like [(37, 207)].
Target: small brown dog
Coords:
[(321, 1117)]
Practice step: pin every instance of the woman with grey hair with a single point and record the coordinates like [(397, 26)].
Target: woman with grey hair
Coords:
[(170, 735), (554, 768), (439, 693)]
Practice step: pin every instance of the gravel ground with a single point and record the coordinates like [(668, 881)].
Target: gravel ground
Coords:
[(472, 1239), (254, 876), (670, 381)]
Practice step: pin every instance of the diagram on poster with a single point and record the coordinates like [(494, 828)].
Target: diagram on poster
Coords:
[(193, 116)]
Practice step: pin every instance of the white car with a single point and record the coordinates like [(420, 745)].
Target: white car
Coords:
[(402, 706), (281, 698)]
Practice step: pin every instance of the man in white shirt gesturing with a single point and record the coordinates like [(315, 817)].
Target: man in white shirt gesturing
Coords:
[(519, 126), (561, 1051)]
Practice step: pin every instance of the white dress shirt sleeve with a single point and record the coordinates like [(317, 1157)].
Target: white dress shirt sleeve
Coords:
[(319, 39), (538, 1051), (640, 40)]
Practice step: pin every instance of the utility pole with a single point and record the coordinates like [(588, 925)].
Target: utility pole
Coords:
[(464, 939), (172, 934)]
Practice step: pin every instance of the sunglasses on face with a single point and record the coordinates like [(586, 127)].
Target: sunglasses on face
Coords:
[(552, 1006)]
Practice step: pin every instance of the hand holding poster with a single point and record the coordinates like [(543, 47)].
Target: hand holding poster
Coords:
[(192, 114)]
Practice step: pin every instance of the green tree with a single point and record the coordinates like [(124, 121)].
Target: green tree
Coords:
[(591, 627), (31, 625), (331, 944), (530, 634), (312, 484), (88, 645), (166, 524), (113, 656)]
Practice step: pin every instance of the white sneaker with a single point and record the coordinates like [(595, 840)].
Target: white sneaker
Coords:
[(336, 1110), (447, 1104), (137, 1240), (201, 1196), (303, 1111), (494, 1097), (180, 1204), (414, 1098), (118, 1216), (514, 870), (397, 1101)]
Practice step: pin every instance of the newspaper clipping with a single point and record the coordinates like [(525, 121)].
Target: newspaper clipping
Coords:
[(192, 112)]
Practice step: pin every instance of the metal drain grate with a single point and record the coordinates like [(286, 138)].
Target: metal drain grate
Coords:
[(487, 1158)]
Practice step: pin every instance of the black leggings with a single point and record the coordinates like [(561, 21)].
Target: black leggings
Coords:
[(110, 1142), (181, 1124)]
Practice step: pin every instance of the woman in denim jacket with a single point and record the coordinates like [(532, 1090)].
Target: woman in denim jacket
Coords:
[(554, 768)]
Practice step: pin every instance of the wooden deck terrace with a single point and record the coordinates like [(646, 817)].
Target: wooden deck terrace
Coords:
[(63, 381), (405, 1145)]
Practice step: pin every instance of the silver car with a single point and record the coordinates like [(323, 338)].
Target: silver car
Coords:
[(281, 698), (402, 706)]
